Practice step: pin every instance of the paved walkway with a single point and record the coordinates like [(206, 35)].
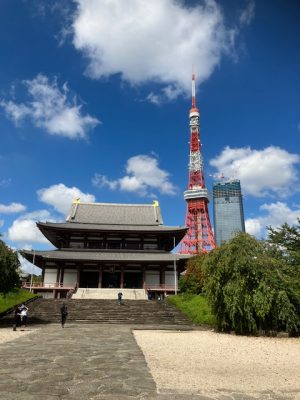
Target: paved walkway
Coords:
[(84, 362)]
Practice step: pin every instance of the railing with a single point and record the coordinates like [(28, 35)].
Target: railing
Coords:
[(27, 285), (165, 288)]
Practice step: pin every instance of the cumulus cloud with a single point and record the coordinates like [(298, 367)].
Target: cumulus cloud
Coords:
[(24, 229), (61, 197), (156, 41), (51, 108), (273, 214), (270, 171), (143, 175), (12, 208)]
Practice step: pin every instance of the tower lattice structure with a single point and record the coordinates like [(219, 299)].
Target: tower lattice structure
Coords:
[(199, 237)]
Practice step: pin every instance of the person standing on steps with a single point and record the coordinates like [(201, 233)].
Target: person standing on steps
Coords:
[(23, 315), (120, 294), (64, 314)]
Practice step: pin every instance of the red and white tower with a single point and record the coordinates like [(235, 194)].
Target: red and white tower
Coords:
[(199, 237)]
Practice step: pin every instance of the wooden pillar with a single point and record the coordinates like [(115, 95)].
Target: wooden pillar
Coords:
[(62, 273), (122, 277), (162, 276), (78, 276), (100, 277), (144, 277), (58, 275), (43, 275)]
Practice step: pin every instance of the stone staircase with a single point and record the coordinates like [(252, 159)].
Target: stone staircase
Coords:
[(136, 312)]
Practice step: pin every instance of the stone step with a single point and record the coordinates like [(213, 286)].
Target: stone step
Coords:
[(104, 311)]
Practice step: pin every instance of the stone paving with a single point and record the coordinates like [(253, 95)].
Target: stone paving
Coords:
[(86, 362)]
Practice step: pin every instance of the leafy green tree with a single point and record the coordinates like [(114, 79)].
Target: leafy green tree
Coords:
[(9, 266), (285, 243), (287, 240), (195, 275), (248, 288)]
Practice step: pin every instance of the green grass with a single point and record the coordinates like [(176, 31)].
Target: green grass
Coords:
[(14, 297), (195, 307)]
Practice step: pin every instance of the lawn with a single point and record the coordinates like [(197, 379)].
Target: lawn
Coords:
[(195, 307), (14, 297)]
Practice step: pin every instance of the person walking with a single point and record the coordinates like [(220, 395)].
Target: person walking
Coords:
[(23, 315), (17, 318), (120, 294), (64, 314)]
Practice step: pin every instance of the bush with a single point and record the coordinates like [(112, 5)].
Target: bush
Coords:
[(195, 276), (249, 289), (195, 307)]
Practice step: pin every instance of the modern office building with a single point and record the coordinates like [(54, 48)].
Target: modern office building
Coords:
[(228, 210)]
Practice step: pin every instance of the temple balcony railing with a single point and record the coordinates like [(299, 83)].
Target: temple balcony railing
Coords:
[(41, 285), (160, 288)]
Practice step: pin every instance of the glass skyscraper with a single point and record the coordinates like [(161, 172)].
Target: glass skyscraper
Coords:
[(228, 210)]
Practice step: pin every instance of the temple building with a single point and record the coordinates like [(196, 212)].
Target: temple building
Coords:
[(104, 245)]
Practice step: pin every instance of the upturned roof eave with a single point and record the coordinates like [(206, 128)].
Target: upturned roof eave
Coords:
[(110, 227)]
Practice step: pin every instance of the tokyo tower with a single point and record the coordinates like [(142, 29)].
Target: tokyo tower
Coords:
[(199, 237)]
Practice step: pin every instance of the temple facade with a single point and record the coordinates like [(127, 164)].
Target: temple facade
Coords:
[(104, 245)]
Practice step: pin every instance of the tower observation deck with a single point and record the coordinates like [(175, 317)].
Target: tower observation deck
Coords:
[(199, 237)]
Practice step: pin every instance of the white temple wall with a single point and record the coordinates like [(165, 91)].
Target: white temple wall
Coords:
[(169, 278), (70, 277), (152, 278), (50, 276)]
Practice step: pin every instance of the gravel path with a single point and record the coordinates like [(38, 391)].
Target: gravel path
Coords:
[(7, 334), (206, 362)]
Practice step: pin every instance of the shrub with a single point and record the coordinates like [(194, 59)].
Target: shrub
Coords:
[(249, 289), (195, 276)]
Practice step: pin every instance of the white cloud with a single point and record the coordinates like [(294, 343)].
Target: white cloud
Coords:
[(4, 182), (143, 174), (276, 214), (247, 14), (24, 229), (26, 266), (270, 171), (1, 223), (156, 40), (61, 197), (102, 181), (12, 208), (51, 108)]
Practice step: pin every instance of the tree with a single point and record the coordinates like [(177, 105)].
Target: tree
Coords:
[(287, 240), (9, 265), (194, 278), (248, 288)]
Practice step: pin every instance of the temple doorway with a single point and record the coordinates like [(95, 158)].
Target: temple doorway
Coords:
[(111, 279), (133, 280), (89, 279)]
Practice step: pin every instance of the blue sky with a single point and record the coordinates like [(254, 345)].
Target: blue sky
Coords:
[(95, 98)]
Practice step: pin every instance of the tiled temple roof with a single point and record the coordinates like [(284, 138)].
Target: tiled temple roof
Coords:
[(115, 214), (104, 256)]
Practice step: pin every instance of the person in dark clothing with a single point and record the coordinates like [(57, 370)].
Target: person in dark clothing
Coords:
[(120, 294), (64, 314), (17, 319)]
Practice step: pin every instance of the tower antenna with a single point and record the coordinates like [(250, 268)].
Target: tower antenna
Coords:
[(199, 237)]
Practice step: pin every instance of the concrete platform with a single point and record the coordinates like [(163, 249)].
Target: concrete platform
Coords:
[(109, 294)]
